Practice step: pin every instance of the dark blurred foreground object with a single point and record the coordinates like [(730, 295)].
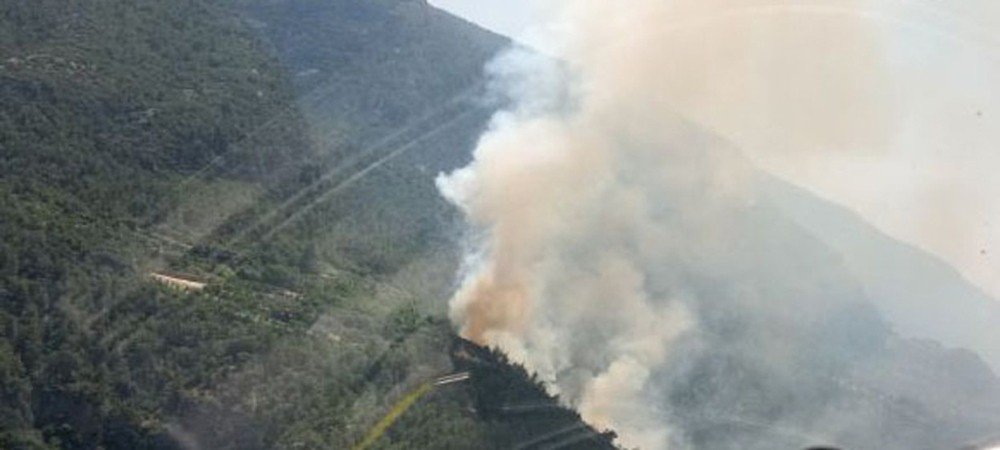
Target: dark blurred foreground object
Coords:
[(520, 413)]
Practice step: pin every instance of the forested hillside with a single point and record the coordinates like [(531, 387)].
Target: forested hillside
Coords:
[(107, 107), (280, 152)]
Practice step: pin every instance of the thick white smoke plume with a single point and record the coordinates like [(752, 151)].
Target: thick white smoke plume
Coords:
[(603, 209)]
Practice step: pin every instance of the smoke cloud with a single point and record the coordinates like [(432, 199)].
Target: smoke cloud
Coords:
[(617, 237)]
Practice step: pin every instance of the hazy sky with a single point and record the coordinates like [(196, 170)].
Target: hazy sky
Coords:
[(935, 182), (508, 17)]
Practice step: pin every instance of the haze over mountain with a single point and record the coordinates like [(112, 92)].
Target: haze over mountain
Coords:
[(928, 178), (636, 259), (918, 293)]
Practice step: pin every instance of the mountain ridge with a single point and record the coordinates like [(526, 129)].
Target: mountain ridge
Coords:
[(918, 292)]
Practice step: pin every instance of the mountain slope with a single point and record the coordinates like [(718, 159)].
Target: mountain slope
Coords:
[(391, 92), (106, 106), (147, 138), (725, 393), (922, 296)]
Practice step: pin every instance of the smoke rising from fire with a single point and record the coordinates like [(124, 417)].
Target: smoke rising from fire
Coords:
[(602, 205)]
